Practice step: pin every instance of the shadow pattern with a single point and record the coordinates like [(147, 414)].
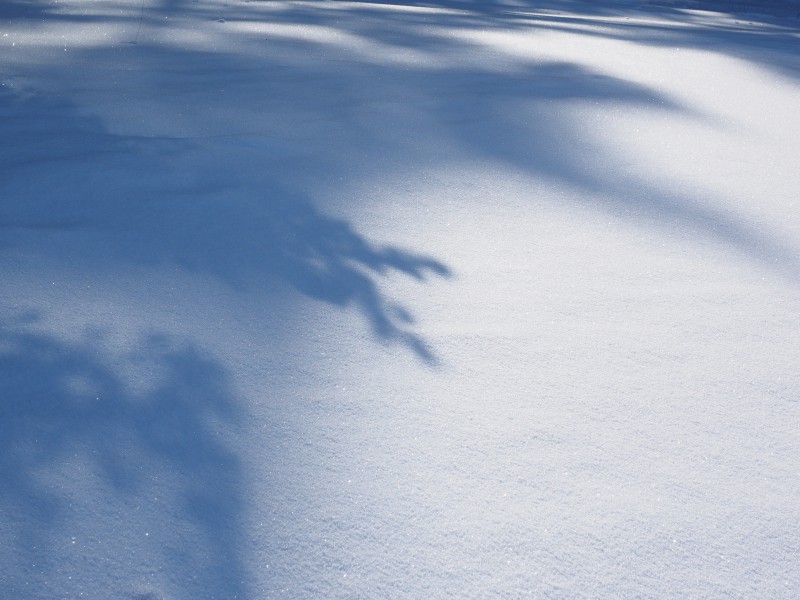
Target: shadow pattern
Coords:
[(103, 479), (73, 431), (172, 202)]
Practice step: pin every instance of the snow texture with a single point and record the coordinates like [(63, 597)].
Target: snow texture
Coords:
[(437, 299)]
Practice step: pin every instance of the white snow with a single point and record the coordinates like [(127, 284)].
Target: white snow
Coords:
[(399, 300)]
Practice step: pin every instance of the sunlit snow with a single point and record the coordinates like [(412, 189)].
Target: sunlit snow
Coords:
[(439, 299)]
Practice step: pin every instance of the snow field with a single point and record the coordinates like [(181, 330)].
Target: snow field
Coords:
[(357, 300)]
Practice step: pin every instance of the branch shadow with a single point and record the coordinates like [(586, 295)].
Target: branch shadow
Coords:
[(24, 9), (176, 203), (765, 11), (765, 39), (114, 482), (540, 141), (764, 33), (230, 207)]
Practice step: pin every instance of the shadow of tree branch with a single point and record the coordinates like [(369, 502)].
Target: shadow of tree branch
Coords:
[(87, 452)]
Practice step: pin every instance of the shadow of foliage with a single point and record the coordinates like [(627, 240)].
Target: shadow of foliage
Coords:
[(763, 32), (82, 442), (119, 480), (511, 115), (206, 207), (23, 9)]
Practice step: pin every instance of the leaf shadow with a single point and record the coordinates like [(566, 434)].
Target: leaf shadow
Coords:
[(133, 471), (174, 202)]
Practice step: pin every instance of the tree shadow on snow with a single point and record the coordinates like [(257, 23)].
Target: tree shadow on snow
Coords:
[(24, 9), (513, 115), (115, 482), (764, 33), (235, 208), (210, 207)]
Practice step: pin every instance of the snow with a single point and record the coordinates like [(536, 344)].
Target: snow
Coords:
[(398, 300)]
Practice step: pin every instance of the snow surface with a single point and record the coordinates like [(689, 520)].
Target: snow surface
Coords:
[(399, 300)]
